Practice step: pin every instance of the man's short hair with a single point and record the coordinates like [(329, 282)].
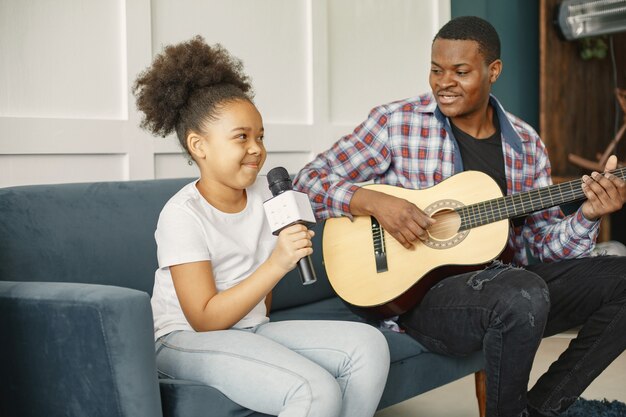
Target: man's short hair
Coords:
[(472, 28)]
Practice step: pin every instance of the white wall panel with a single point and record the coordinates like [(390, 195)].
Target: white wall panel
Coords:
[(291, 161), (66, 68), (271, 37), (174, 165), (61, 168), (379, 52), (63, 59)]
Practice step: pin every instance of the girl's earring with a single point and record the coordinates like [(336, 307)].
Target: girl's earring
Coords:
[(189, 161)]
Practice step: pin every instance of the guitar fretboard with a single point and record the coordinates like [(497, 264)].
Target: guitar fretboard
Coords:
[(520, 204)]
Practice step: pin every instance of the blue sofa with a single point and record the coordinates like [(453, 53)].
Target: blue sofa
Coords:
[(77, 263)]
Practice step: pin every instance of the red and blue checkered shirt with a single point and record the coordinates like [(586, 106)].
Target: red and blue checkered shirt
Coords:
[(409, 143)]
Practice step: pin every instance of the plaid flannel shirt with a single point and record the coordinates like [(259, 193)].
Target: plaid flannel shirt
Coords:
[(409, 143)]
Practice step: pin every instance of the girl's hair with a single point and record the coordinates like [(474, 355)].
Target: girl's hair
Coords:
[(187, 85)]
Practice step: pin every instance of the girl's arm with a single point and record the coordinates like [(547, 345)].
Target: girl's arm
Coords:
[(207, 309), (268, 303)]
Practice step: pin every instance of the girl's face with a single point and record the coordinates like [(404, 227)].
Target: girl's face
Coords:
[(233, 145)]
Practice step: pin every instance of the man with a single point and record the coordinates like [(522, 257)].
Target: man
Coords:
[(504, 310)]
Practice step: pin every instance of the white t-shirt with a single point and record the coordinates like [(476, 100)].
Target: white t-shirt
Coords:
[(191, 230)]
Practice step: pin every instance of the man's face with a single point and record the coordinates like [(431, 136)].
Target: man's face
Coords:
[(459, 77)]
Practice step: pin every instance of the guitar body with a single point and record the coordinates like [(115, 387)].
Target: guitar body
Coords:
[(378, 287)]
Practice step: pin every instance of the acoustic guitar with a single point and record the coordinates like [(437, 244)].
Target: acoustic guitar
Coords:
[(378, 277)]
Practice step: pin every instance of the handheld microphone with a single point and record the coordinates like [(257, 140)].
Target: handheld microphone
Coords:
[(288, 207)]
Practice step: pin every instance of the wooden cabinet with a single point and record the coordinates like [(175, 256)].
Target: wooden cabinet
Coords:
[(605, 225), (577, 112)]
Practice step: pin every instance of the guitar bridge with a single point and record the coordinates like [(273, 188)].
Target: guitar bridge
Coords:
[(380, 252)]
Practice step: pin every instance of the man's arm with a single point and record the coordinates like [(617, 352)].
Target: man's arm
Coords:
[(361, 156), (331, 178), (549, 236)]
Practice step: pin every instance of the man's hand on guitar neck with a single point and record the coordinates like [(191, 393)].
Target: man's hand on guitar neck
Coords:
[(403, 219), (606, 193)]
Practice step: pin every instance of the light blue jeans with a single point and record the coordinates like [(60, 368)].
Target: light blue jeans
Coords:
[(288, 369)]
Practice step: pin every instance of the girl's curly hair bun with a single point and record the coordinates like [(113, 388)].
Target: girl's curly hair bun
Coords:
[(185, 84)]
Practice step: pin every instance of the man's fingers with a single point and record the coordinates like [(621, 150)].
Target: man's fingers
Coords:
[(593, 183), (605, 194), (403, 241), (611, 163)]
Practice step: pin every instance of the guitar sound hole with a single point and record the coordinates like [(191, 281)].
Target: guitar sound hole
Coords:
[(448, 224)]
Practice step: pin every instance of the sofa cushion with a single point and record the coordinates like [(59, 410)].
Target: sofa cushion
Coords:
[(100, 233)]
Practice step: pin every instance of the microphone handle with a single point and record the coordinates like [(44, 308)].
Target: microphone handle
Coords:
[(307, 273)]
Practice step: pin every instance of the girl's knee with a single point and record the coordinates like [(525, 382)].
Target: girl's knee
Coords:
[(372, 339), (325, 398), (315, 394), (375, 361), (370, 345)]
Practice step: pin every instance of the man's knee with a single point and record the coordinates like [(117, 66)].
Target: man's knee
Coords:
[(524, 299)]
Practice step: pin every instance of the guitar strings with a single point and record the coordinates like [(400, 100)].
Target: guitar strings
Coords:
[(483, 213)]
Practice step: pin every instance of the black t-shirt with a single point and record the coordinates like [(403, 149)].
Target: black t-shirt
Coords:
[(483, 154)]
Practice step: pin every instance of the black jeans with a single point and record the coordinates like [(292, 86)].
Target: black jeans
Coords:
[(505, 311)]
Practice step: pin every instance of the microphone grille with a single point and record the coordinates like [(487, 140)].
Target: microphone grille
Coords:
[(278, 180)]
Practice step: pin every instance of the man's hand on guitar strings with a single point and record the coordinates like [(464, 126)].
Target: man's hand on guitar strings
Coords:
[(606, 193), (402, 219)]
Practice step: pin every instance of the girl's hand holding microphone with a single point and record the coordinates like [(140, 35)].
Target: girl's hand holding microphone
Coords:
[(294, 243)]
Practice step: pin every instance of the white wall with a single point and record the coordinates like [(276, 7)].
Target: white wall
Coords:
[(318, 66)]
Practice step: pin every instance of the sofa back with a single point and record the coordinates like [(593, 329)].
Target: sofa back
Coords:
[(103, 233)]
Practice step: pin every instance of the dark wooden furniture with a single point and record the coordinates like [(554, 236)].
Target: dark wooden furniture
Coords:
[(481, 392), (600, 163), (576, 97)]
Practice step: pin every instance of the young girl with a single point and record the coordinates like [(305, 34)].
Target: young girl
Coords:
[(218, 260)]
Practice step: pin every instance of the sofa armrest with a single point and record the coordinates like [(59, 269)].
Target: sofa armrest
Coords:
[(76, 350)]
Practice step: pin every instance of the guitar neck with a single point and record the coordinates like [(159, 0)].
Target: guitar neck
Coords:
[(521, 204)]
